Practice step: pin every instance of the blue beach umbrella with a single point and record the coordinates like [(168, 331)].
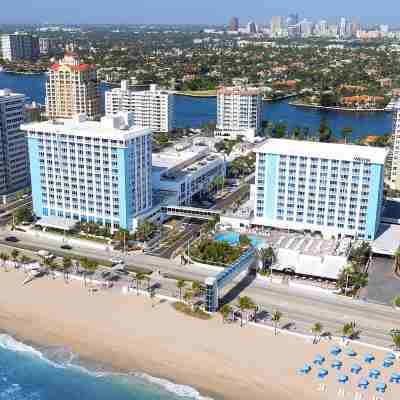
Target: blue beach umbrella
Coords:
[(363, 384), (356, 368), (351, 353), (343, 378), (305, 370), (390, 356), (368, 358), (336, 364), (381, 387), (387, 363), (319, 359), (395, 377), (374, 373), (335, 350), (322, 373)]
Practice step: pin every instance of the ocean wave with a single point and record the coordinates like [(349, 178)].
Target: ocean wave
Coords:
[(179, 390), (65, 359)]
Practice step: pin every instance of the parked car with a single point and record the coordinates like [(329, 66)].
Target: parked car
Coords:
[(66, 247), (12, 239)]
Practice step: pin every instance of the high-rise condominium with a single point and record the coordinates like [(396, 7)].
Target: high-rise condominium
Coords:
[(334, 189), (276, 25), (394, 166), (19, 46), (72, 88), (239, 112), (151, 108), (14, 165), (91, 171), (233, 24)]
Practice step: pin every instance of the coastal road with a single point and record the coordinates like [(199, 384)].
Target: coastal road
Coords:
[(302, 306)]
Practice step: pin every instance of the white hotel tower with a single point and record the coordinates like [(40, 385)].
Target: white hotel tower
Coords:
[(91, 171), (394, 164), (239, 112), (151, 108), (334, 189)]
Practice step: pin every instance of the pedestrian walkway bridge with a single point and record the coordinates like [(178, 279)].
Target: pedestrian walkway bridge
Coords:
[(214, 285), (190, 212)]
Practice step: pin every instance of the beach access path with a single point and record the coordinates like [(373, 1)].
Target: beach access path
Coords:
[(126, 333)]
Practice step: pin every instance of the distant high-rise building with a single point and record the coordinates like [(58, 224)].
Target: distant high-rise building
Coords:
[(233, 24), (72, 88), (19, 46), (322, 28), (293, 19), (395, 150), (14, 165), (343, 28), (306, 28), (239, 112), (251, 27), (47, 45), (151, 108), (276, 25)]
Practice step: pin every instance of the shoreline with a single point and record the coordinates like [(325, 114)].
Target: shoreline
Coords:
[(344, 109), (219, 360)]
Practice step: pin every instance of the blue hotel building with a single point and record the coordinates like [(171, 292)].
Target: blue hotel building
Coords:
[(91, 171), (334, 189)]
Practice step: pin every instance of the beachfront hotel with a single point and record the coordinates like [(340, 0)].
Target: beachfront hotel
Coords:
[(334, 189), (91, 171), (72, 88), (14, 166), (239, 112), (394, 162), (151, 108), (19, 46)]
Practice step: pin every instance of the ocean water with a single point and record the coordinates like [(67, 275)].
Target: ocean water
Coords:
[(27, 373)]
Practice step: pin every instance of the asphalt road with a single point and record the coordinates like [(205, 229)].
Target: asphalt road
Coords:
[(302, 306)]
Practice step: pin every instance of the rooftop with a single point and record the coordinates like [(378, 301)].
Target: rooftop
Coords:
[(330, 151), (115, 127)]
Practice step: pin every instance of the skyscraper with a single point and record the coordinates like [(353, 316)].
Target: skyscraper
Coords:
[(233, 24), (91, 171), (72, 88), (276, 25), (251, 27), (19, 46), (239, 112), (151, 108), (14, 165)]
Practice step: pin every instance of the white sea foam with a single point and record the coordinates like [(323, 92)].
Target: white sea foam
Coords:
[(7, 342), (179, 390)]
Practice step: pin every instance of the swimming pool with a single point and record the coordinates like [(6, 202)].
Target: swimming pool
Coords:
[(233, 239)]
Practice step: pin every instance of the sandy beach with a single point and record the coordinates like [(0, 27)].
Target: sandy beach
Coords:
[(222, 361)]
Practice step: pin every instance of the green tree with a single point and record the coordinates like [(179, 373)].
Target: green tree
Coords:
[(347, 330), (4, 257), (225, 311), (317, 331), (397, 261), (245, 304), (14, 257), (180, 284), (276, 318), (66, 267), (244, 241), (395, 335), (188, 297), (50, 266), (267, 255)]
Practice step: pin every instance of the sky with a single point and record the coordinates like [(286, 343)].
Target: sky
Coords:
[(191, 11)]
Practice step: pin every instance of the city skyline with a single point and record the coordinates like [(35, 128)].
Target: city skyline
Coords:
[(180, 12)]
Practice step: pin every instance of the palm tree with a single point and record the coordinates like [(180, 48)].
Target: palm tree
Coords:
[(50, 266), (316, 330), (140, 277), (267, 255), (397, 261), (347, 330), (196, 288), (66, 266), (4, 257), (245, 303), (180, 284), (85, 264), (395, 335), (276, 318), (188, 296), (24, 260), (14, 257), (225, 311)]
